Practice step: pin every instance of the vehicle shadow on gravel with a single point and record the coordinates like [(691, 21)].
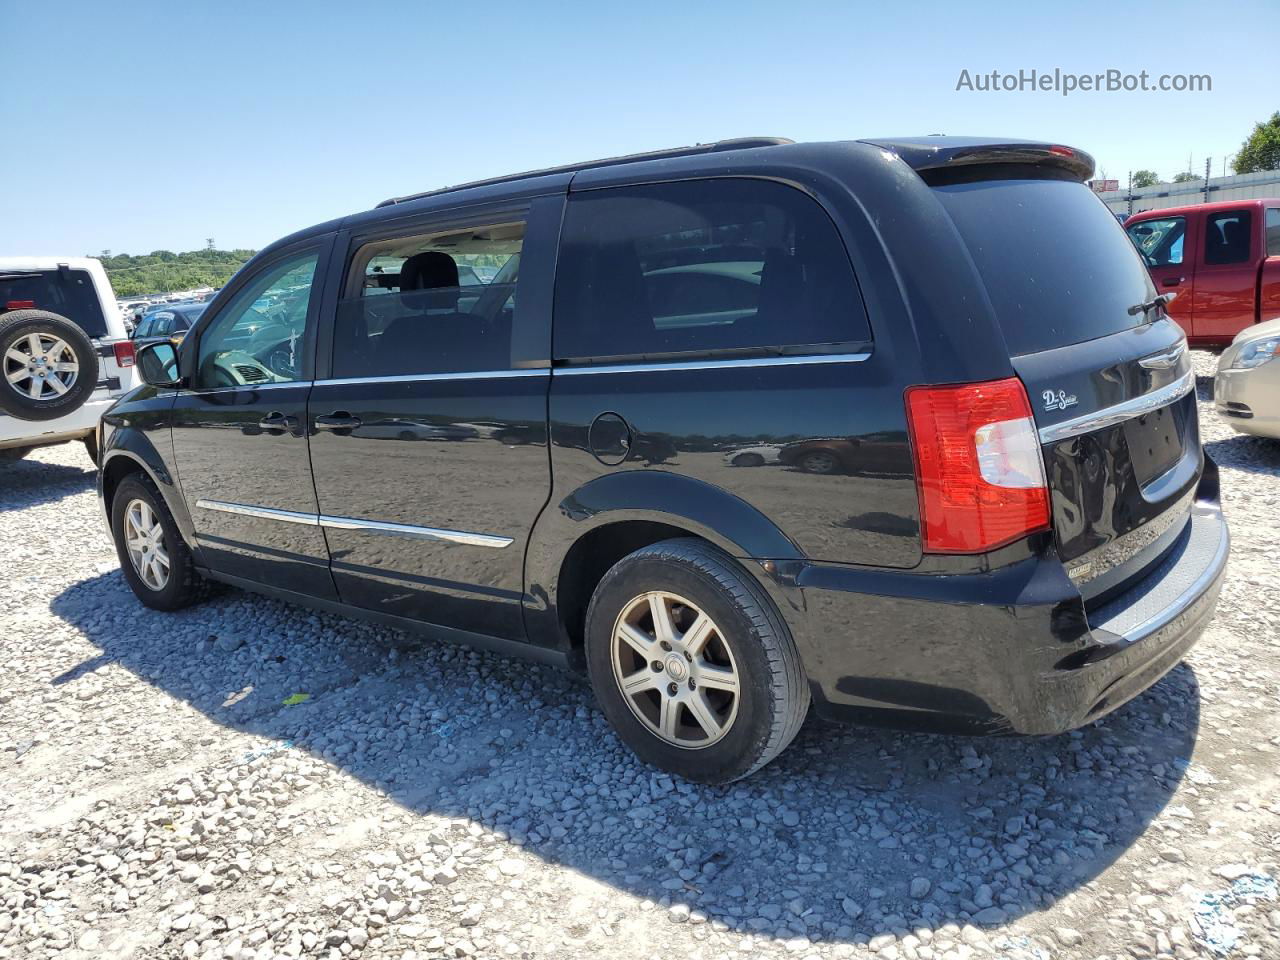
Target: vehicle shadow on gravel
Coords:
[(850, 833), (27, 483), (1243, 452)]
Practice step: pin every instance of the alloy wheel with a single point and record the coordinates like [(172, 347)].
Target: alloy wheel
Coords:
[(41, 366), (675, 670), (144, 539)]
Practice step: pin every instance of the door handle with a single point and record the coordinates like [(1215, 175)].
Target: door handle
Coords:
[(278, 421), (338, 420), (1171, 281)]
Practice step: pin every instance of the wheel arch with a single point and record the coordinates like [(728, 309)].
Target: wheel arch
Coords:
[(125, 459), (579, 538)]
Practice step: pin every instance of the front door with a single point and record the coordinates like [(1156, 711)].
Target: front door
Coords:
[(429, 440), (1166, 245), (1227, 281), (239, 431)]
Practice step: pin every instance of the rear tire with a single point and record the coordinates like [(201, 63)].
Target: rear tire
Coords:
[(729, 692), (154, 557), (48, 365), (13, 454)]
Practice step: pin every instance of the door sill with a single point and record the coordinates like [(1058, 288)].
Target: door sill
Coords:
[(481, 641)]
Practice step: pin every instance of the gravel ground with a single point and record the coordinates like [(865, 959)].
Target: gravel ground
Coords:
[(163, 792)]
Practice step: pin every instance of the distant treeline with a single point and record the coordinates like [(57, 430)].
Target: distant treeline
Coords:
[(163, 270)]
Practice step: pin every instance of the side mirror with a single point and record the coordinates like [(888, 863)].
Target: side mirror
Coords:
[(158, 364)]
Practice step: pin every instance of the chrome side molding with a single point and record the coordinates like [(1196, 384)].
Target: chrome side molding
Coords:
[(415, 532), (261, 513), (1120, 412), (411, 531)]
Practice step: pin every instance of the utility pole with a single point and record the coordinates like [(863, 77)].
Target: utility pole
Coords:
[(1207, 161), (1129, 197)]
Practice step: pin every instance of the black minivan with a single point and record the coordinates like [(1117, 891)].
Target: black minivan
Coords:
[(572, 414)]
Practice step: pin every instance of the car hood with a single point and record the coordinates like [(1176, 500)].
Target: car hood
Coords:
[(1259, 331)]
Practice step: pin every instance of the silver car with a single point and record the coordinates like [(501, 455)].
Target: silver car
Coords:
[(1246, 390)]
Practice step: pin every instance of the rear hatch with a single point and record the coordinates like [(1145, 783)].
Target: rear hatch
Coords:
[(1108, 374)]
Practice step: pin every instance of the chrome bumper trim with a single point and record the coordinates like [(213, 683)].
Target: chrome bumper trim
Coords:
[(1120, 412)]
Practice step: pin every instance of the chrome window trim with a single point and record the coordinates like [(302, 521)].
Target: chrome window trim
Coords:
[(366, 526), (261, 513), (415, 532), (788, 361), (270, 385), (426, 377), (1120, 412)]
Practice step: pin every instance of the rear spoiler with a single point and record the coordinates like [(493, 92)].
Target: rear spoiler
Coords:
[(936, 154)]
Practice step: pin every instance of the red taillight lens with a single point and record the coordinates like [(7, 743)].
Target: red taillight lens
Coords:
[(19, 304), (125, 353), (978, 465)]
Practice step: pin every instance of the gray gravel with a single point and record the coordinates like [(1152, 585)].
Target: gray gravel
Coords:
[(158, 798)]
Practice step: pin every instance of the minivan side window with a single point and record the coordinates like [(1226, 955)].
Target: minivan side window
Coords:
[(1227, 237), (1273, 231), (1160, 241), (701, 267), (258, 337), (421, 305)]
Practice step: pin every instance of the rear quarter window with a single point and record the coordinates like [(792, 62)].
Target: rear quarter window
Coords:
[(702, 267), (69, 293), (1057, 266)]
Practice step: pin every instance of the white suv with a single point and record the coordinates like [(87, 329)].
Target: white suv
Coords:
[(64, 353)]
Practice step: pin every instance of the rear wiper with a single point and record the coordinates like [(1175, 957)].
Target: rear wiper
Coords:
[(1161, 301)]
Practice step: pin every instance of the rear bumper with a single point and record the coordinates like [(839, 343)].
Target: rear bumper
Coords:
[(1009, 651)]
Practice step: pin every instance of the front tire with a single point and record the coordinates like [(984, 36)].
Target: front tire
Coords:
[(692, 664), (154, 557)]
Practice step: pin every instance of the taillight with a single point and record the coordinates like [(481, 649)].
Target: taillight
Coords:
[(19, 304), (978, 465), (125, 353)]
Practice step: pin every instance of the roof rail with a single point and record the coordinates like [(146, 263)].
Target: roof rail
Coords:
[(739, 143)]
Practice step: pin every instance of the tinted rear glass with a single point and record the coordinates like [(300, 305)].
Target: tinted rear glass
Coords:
[(66, 292), (701, 267), (1057, 266)]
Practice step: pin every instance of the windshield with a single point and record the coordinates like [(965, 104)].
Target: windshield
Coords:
[(1056, 264), (69, 293)]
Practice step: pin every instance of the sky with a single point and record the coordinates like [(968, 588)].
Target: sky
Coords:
[(139, 126)]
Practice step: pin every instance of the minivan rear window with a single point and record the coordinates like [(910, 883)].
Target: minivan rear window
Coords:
[(1057, 266), (66, 292), (702, 267)]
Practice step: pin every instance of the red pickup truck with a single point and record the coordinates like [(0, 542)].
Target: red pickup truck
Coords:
[(1222, 260)]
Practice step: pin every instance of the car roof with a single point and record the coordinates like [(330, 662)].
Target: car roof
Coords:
[(743, 157), (48, 263)]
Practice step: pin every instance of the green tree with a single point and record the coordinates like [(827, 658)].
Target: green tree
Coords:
[(1186, 176), (1145, 178), (163, 271), (1261, 151)]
